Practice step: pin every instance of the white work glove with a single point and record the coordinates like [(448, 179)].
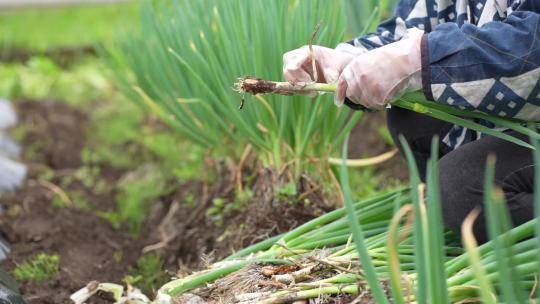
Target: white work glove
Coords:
[(298, 67), (377, 77)]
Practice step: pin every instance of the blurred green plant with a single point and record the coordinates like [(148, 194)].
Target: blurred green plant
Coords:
[(41, 29), (77, 198), (121, 135), (365, 15), (40, 268), (135, 191), (287, 191), (182, 65), (367, 182), (216, 211), (148, 273), (128, 139), (40, 78)]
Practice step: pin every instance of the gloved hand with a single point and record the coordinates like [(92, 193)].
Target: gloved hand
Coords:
[(379, 76), (297, 65)]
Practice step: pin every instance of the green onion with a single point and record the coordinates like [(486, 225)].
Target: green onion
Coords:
[(486, 289), (413, 101), (358, 233)]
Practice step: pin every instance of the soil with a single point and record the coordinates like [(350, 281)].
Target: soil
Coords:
[(85, 242), (263, 216), (56, 131)]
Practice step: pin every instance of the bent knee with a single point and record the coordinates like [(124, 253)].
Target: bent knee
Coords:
[(461, 187), (453, 196)]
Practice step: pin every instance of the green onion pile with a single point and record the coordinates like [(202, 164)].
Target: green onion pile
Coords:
[(391, 248)]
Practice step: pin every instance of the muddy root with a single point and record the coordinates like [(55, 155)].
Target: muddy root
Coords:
[(256, 86)]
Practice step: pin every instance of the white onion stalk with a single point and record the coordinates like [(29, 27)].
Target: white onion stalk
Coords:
[(132, 295), (256, 86)]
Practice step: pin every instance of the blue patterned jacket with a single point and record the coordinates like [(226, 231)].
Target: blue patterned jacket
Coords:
[(476, 55)]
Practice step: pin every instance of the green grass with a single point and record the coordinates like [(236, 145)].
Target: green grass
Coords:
[(41, 29), (42, 267)]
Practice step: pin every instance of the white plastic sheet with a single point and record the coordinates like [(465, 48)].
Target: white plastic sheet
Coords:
[(12, 173), (8, 116)]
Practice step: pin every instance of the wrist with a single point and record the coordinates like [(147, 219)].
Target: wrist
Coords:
[(426, 70)]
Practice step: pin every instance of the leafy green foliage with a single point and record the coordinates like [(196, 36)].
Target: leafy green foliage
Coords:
[(114, 143), (78, 199), (129, 139), (366, 182), (221, 207), (121, 136), (180, 158), (134, 194), (287, 191), (365, 15), (215, 212), (182, 67), (41, 268), (40, 78), (63, 26), (148, 273)]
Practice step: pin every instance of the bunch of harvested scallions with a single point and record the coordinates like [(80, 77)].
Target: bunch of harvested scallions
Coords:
[(386, 262), (400, 254)]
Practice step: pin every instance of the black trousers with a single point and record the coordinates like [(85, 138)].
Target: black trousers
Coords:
[(462, 170)]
